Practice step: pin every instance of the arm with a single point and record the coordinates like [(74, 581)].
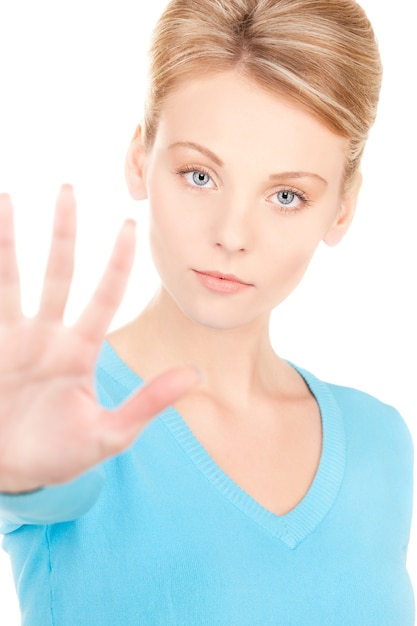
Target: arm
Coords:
[(54, 434)]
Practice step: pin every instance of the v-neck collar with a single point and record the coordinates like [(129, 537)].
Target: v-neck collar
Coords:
[(295, 526)]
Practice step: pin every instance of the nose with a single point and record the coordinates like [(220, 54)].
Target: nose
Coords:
[(233, 230)]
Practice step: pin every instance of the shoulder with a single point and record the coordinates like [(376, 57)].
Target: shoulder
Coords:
[(374, 429), (367, 420), (357, 405), (363, 408), (379, 452)]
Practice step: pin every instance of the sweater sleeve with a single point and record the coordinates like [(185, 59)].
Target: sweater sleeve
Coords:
[(57, 503)]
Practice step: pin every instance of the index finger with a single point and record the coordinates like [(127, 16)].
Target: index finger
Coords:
[(96, 318)]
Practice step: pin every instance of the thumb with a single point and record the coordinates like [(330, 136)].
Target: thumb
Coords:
[(122, 425)]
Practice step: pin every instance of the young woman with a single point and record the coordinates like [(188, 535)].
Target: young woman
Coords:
[(259, 494)]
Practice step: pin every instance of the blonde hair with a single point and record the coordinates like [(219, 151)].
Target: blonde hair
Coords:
[(321, 53)]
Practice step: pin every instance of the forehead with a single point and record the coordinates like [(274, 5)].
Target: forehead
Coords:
[(240, 121)]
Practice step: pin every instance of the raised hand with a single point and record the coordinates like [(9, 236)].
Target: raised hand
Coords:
[(51, 425)]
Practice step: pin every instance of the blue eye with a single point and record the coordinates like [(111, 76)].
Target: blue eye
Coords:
[(290, 201), (286, 197), (201, 179), (196, 177)]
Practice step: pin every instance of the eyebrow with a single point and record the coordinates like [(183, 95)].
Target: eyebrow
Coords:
[(208, 153), (196, 146), (298, 175)]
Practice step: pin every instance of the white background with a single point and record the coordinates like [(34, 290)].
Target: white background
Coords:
[(72, 78)]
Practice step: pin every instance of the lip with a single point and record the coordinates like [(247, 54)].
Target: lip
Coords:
[(221, 283)]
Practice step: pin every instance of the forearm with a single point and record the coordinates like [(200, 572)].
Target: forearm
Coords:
[(53, 504)]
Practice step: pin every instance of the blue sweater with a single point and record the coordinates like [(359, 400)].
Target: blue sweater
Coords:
[(161, 536)]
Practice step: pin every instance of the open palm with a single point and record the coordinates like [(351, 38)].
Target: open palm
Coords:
[(52, 427)]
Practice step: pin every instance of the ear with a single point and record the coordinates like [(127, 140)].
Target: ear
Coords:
[(134, 165), (345, 215)]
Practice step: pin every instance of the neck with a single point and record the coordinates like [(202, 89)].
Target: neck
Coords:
[(238, 362)]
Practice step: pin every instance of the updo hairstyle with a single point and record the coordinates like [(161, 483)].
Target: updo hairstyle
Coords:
[(320, 53)]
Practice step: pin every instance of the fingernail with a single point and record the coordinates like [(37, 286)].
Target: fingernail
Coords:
[(66, 188), (131, 223)]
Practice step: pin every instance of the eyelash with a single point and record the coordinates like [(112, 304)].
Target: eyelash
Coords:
[(301, 195), (194, 168)]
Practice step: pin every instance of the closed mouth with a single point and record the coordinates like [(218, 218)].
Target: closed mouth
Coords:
[(221, 276)]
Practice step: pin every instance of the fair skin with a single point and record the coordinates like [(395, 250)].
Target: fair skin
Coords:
[(51, 426), (253, 413), (217, 179)]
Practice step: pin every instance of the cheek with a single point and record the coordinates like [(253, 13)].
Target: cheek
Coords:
[(292, 240), (172, 228), (162, 207), (287, 253), (176, 216)]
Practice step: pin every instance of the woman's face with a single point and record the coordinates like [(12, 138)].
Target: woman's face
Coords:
[(240, 183)]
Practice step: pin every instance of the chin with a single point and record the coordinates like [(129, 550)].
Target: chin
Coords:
[(223, 318)]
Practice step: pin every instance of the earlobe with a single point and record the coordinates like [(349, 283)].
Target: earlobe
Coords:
[(345, 215), (134, 165)]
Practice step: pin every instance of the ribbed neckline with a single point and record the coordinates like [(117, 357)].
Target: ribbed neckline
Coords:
[(293, 527)]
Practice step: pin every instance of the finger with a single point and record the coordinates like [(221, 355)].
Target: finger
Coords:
[(96, 318), (123, 425), (10, 301), (60, 266)]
